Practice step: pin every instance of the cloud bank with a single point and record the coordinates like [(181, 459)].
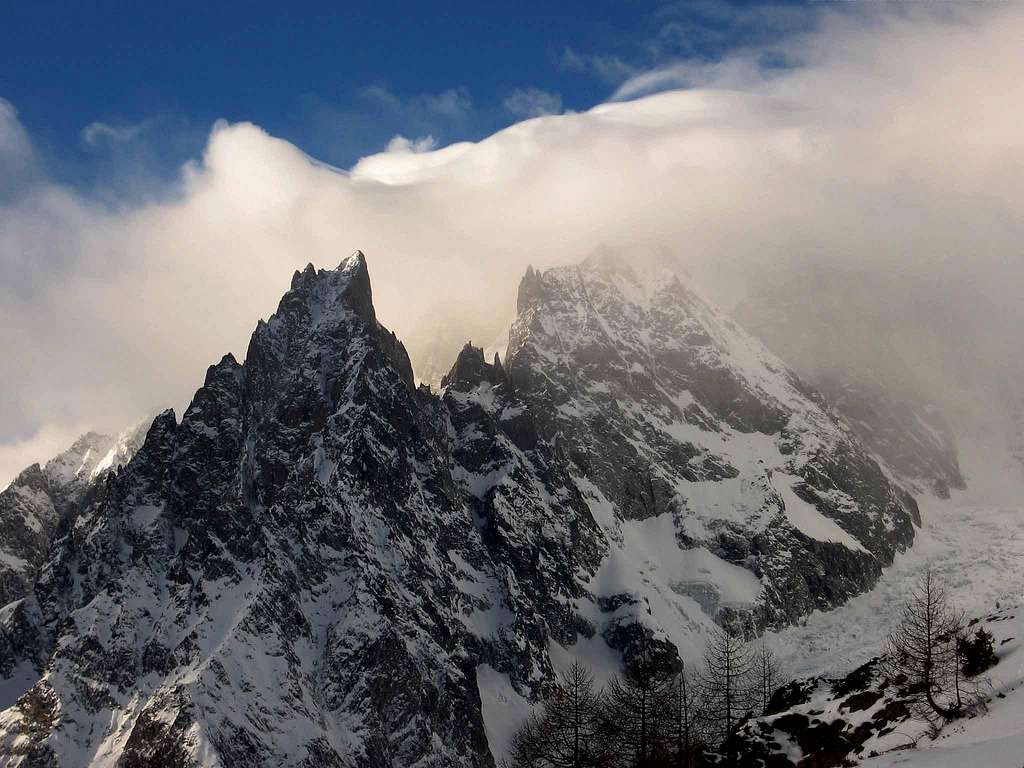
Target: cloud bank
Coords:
[(892, 150)]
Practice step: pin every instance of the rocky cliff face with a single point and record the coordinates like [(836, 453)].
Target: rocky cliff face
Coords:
[(672, 416), (325, 565), (43, 498)]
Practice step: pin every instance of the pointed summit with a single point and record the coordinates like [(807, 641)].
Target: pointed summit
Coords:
[(356, 261), (499, 369), (531, 290), (301, 279), (471, 369), (322, 294), (359, 294)]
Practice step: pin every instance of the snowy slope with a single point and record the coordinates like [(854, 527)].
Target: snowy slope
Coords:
[(994, 739), (864, 718), (974, 542)]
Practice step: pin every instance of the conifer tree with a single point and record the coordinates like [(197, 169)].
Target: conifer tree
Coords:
[(978, 653)]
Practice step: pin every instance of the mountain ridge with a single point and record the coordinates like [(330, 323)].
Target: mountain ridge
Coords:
[(314, 566), (42, 497)]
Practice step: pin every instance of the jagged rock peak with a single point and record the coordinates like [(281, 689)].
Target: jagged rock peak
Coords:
[(299, 279), (42, 499), (531, 290), (649, 273), (325, 311), (354, 262), (227, 365), (165, 421), (323, 296), (359, 291), (351, 279), (470, 368)]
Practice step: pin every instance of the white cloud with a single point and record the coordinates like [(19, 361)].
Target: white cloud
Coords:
[(896, 149), (452, 103), (533, 102), (401, 144), (381, 96), (739, 72)]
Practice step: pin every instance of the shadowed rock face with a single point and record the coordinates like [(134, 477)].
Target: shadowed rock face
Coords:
[(310, 568)]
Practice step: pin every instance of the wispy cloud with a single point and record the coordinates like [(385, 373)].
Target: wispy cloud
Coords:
[(454, 102), (451, 103), (532, 102), (381, 96), (98, 133), (737, 72), (711, 29), (609, 68), (699, 43), (14, 141), (17, 158)]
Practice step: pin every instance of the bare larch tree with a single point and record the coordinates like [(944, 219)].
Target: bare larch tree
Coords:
[(568, 730), (728, 687), (685, 719), (636, 706), (769, 674), (923, 651)]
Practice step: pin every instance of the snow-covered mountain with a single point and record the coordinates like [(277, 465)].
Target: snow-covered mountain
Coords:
[(323, 564), (852, 360), (40, 499)]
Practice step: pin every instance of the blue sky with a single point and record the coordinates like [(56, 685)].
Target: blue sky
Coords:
[(112, 91)]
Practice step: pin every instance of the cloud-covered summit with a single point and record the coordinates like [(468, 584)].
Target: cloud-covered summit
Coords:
[(893, 151)]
